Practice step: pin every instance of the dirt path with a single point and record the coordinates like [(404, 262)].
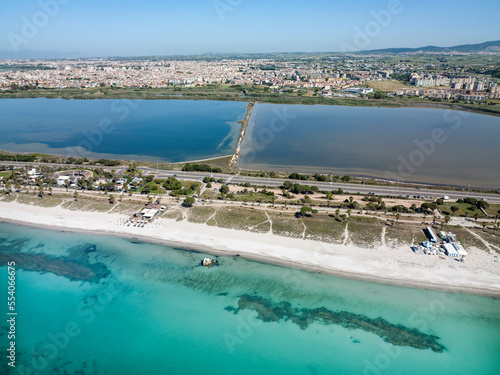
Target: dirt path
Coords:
[(382, 237), (489, 246), (346, 234)]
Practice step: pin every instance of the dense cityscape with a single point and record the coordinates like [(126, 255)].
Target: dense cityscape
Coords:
[(329, 75)]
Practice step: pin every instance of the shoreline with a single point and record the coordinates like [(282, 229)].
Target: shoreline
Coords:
[(358, 102), (345, 261)]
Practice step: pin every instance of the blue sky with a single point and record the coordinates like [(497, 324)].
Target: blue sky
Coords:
[(131, 27)]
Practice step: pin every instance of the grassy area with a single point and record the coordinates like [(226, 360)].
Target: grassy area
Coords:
[(491, 236), (200, 214), (240, 219), (404, 234), (465, 209), (286, 225), (323, 228), (390, 85), (365, 232), (173, 214), (35, 200), (222, 162), (5, 175), (87, 205)]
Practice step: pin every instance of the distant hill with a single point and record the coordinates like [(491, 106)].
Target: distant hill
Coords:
[(485, 47)]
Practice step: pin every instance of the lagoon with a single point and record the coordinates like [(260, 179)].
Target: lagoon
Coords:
[(142, 308), (407, 144), (153, 130)]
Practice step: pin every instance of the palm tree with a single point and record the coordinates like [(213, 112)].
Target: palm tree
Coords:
[(337, 212), (447, 219), (398, 215), (76, 196), (50, 190), (111, 199), (40, 191)]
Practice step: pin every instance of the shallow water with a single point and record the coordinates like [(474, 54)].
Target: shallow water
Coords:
[(408, 144), (153, 310), (156, 130)]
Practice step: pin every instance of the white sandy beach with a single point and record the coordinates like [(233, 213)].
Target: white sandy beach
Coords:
[(397, 266)]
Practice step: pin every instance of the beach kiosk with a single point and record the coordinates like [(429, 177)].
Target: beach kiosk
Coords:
[(431, 235), (450, 250)]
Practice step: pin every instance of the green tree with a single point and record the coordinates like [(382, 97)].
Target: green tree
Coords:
[(447, 219), (307, 211), (224, 189), (188, 202), (454, 209), (111, 199)]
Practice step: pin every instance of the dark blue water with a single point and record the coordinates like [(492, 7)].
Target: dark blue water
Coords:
[(166, 130), (407, 144)]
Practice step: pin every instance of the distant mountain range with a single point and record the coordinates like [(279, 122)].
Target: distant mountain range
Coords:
[(485, 47)]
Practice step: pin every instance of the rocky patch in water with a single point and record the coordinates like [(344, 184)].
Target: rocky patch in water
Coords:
[(77, 265), (396, 334)]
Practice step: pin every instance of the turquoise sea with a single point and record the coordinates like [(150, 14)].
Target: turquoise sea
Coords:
[(91, 304), (154, 130), (429, 145)]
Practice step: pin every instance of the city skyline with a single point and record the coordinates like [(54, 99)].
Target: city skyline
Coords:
[(94, 29)]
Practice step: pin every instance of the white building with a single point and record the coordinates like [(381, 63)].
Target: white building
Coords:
[(359, 90)]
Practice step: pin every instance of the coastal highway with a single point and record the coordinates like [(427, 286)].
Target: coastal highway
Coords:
[(346, 187), (276, 182)]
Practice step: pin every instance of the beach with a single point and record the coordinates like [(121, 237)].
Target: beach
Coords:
[(382, 264)]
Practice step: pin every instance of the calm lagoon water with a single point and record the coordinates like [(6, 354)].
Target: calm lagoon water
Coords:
[(150, 309), (407, 144), (155, 130)]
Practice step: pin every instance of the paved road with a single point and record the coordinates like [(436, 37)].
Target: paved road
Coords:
[(348, 188), (275, 182)]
